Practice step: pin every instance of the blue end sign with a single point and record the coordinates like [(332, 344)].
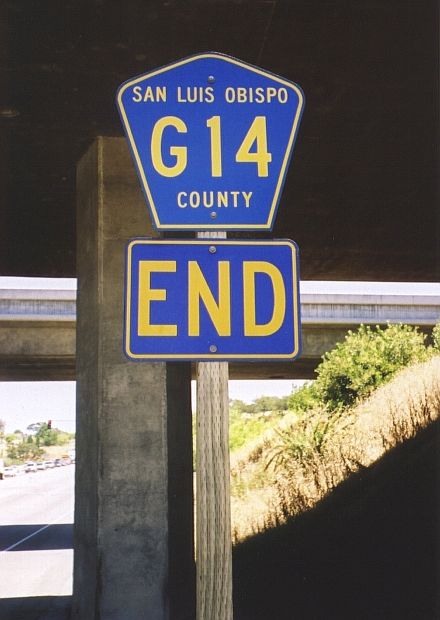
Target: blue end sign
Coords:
[(211, 137), (212, 300)]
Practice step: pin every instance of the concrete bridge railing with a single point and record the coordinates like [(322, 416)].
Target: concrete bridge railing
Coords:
[(37, 325)]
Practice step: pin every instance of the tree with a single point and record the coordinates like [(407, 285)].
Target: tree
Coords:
[(46, 436), (34, 428), (260, 404), (436, 337), (237, 405), (271, 403)]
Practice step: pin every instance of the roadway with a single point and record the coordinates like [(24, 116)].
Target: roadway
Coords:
[(36, 556)]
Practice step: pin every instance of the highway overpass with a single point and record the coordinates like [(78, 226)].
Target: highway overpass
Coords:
[(360, 199), (38, 324)]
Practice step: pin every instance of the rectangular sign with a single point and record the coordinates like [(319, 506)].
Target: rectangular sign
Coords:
[(211, 300)]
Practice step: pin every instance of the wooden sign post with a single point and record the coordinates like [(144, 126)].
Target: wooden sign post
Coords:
[(213, 508), (213, 526)]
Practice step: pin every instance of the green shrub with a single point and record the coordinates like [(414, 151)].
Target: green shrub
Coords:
[(366, 359), (243, 429), (304, 398)]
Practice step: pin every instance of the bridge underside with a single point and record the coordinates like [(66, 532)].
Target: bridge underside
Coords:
[(40, 358), (360, 198), (361, 195), (48, 366)]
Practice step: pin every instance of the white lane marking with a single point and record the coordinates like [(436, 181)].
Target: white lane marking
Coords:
[(60, 518)]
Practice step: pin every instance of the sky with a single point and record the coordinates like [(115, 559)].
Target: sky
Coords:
[(25, 402), (22, 403)]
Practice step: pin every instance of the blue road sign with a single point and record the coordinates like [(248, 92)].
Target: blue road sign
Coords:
[(211, 138), (212, 300)]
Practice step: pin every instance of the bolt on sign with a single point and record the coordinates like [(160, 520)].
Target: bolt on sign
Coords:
[(211, 299), (211, 138)]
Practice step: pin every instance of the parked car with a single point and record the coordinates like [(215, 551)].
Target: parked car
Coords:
[(10, 471), (30, 467), (49, 464), (41, 466), (58, 463)]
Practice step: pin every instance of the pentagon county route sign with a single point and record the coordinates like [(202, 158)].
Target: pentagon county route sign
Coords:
[(211, 300), (211, 139)]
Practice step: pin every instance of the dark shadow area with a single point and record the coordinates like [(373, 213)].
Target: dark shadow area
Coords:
[(36, 537), (36, 608), (370, 551)]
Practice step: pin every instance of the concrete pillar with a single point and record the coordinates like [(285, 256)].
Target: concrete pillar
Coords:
[(134, 509)]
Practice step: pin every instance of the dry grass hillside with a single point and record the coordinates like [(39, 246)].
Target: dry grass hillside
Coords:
[(368, 551), (294, 466)]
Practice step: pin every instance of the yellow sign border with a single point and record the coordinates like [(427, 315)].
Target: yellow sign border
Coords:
[(218, 226), (213, 356)]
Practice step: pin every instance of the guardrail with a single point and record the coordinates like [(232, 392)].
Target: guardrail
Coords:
[(339, 303)]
